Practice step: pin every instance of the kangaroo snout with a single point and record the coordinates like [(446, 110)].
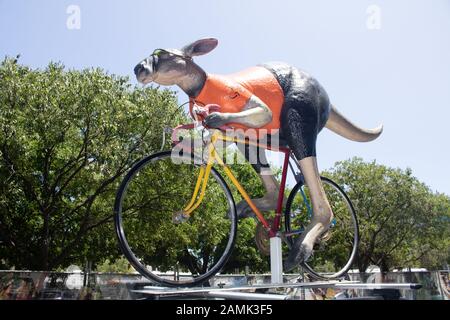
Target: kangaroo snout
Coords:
[(143, 65), (139, 67), (143, 71)]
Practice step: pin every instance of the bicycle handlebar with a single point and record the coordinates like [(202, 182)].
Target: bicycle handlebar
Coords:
[(202, 112)]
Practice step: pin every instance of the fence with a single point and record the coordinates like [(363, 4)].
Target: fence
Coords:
[(26, 285)]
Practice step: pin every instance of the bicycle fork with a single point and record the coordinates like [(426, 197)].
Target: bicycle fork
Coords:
[(202, 180)]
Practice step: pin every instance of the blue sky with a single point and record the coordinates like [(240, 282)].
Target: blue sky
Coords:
[(397, 74)]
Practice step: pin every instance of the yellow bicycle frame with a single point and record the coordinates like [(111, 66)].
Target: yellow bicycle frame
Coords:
[(203, 176)]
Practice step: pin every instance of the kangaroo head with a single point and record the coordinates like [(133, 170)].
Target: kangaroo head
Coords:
[(172, 66)]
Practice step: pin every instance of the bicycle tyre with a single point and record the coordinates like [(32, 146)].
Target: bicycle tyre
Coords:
[(121, 231), (355, 229)]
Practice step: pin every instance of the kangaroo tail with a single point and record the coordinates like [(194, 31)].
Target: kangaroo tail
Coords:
[(345, 128)]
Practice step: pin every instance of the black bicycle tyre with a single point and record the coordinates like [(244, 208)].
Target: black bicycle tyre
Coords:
[(350, 206), (121, 234)]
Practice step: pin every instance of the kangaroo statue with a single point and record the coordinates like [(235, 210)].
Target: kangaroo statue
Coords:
[(272, 96)]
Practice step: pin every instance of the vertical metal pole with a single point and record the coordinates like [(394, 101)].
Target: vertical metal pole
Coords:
[(276, 260)]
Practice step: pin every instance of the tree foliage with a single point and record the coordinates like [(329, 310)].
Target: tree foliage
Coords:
[(66, 137), (119, 265), (402, 223), (66, 140)]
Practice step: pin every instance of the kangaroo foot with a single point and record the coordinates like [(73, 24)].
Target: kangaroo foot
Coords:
[(302, 248)]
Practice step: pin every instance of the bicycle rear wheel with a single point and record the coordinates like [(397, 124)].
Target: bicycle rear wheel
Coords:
[(334, 251), (171, 252)]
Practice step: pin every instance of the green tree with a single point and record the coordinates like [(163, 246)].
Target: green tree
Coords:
[(119, 265), (431, 246), (401, 220), (66, 138)]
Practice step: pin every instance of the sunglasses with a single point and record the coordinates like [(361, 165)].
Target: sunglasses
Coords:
[(160, 52)]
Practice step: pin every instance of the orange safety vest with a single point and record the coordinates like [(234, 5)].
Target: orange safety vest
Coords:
[(232, 92)]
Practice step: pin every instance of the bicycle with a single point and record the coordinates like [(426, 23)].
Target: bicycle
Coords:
[(186, 223)]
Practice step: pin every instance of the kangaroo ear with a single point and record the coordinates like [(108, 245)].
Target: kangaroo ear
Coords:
[(200, 47)]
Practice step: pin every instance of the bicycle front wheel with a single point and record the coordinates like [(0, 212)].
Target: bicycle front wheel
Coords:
[(335, 250), (151, 235)]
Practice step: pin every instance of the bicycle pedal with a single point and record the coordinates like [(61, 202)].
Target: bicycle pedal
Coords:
[(325, 236)]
